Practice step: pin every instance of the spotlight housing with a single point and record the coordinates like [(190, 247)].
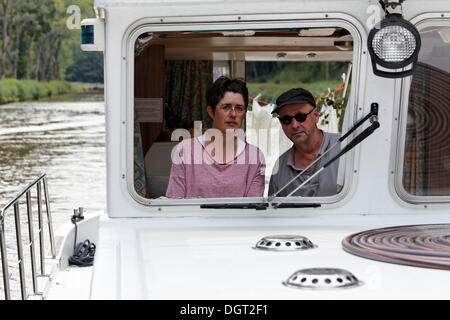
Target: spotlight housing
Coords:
[(394, 44)]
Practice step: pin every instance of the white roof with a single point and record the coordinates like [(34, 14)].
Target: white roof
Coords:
[(215, 259)]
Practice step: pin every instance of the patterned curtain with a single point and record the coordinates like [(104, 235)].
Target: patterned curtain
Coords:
[(185, 93), (140, 180)]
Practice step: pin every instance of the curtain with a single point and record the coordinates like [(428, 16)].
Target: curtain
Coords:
[(185, 93), (185, 85), (140, 180)]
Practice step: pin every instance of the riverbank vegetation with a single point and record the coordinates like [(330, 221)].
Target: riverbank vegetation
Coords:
[(325, 80), (13, 90), (40, 41), (271, 79)]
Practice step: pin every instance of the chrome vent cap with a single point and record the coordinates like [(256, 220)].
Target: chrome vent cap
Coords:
[(322, 278), (284, 243)]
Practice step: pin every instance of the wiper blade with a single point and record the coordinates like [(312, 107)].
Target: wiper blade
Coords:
[(257, 206), (298, 205), (371, 115)]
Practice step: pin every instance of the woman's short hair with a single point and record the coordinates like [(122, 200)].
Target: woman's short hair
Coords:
[(222, 85)]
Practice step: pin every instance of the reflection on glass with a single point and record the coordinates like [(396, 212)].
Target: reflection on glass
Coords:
[(427, 148)]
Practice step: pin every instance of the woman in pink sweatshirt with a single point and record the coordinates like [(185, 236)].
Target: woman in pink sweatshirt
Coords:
[(219, 164)]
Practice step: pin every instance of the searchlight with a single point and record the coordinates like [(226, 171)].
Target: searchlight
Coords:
[(394, 44)]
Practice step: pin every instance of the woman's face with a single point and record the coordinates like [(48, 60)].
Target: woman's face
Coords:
[(229, 113)]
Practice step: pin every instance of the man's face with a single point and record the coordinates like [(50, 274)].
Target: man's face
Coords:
[(229, 112), (300, 132)]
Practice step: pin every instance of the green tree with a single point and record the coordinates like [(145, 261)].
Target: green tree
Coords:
[(6, 7), (37, 44), (86, 67)]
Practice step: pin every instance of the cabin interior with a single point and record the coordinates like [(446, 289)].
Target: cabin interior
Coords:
[(173, 70)]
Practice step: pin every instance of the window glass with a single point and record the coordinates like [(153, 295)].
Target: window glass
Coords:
[(268, 80), (173, 72), (426, 166)]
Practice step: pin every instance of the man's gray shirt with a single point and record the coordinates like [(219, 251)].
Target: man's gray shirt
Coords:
[(323, 184)]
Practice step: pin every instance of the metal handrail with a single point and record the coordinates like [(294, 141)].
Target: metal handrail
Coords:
[(15, 204)]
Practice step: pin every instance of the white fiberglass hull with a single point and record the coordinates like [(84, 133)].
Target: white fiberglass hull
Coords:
[(211, 258)]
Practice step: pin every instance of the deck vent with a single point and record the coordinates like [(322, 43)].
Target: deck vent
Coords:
[(284, 243), (322, 278)]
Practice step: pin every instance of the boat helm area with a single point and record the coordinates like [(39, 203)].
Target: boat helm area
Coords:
[(173, 70)]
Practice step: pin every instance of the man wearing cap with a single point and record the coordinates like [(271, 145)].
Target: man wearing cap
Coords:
[(298, 115)]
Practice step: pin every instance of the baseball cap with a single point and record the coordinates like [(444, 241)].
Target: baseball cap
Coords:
[(295, 95)]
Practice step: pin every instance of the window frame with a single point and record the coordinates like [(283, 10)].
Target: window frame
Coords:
[(397, 165), (223, 23)]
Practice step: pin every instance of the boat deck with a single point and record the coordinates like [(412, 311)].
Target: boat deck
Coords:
[(202, 258)]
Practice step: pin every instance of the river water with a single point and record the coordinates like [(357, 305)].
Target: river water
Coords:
[(64, 139)]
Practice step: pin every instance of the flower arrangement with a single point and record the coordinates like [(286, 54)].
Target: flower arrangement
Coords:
[(332, 99)]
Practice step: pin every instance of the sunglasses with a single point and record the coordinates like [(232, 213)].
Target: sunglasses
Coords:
[(299, 117)]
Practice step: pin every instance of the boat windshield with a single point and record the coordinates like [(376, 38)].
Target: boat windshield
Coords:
[(177, 150)]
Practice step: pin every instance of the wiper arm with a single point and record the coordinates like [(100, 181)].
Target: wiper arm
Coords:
[(359, 138), (372, 114)]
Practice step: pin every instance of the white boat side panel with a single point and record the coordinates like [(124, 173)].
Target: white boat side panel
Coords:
[(214, 259)]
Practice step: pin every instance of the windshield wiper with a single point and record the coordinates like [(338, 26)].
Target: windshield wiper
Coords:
[(252, 205), (371, 115), (363, 135), (257, 206)]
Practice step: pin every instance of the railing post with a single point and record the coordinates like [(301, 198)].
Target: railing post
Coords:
[(41, 228), (31, 237), (49, 218), (4, 259), (20, 251)]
